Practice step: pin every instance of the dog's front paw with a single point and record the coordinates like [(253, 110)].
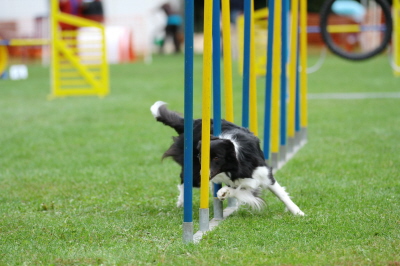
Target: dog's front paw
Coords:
[(179, 203), (223, 193)]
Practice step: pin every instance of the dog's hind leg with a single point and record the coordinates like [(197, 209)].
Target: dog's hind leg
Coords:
[(267, 180), (281, 193)]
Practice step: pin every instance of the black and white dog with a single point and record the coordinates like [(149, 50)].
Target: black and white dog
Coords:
[(236, 160)]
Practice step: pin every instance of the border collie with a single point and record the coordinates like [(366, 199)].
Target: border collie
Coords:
[(236, 160)]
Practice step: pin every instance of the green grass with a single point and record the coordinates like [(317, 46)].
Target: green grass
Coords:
[(82, 183)]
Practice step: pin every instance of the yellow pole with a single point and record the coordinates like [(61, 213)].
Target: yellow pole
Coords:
[(29, 42), (226, 35), (54, 42), (74, 20), (253, 79), (396, 36), (294, 24), (104, 65), (276, 73), (303, 64), (206, 105), (343, 28), (3, 59)]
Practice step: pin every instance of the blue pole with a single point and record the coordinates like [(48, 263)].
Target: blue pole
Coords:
[(216, 41), (188, 116), (216, 57), (268, 81), (284, 61), (246, 64)]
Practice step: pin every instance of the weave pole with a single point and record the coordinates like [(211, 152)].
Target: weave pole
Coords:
[(284, 81), (253, 78), (293, 69), (285, 120), (268, 83), (276, 72), (303, 73), (276, 113), (216, 68), (297, 108), (212, 60), (206, 116), (226, 35), (249, 94), (188, 126), (246, 64)]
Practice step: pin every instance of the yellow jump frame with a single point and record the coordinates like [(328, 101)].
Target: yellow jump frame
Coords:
[(79, 67), (396, 37)]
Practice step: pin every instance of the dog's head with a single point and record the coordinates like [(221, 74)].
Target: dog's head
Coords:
[(222, 156)]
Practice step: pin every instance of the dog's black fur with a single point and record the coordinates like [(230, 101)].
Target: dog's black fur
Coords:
[(234, 157), (222, 151)]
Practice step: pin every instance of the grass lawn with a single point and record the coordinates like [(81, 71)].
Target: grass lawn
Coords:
[(81, 180)]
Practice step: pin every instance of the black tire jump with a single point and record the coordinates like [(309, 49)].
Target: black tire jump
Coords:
[(326, 36)]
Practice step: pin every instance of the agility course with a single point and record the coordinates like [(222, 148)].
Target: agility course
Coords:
[(280, 143), (82, 182)]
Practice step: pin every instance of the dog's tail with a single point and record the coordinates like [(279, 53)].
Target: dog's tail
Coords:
[(167, 117)]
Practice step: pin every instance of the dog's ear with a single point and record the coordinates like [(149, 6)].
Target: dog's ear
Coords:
[(211, 139), (230, 149)]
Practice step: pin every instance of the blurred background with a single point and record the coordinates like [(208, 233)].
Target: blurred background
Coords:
[(134, 25), (135, 29)]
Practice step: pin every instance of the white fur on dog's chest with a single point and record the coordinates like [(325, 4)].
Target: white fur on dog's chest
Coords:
[(259, 176)]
